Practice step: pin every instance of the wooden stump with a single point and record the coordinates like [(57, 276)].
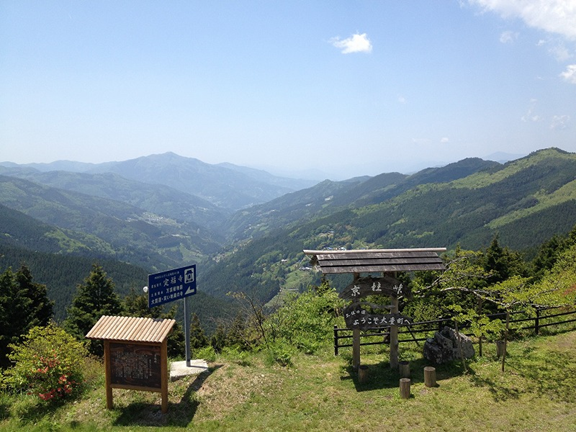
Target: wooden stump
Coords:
[(500, 347), (404, 369), (405, 388), (362, 373), (430, 376)]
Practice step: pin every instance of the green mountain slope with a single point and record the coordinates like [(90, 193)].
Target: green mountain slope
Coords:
[(526, 202), (134, 235), (160, 199)]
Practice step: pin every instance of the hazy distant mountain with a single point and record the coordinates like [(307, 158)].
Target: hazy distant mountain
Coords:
[(227, 186), (224, 187), (159, 199)]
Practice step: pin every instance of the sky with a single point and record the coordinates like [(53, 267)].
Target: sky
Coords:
[(324, 88)]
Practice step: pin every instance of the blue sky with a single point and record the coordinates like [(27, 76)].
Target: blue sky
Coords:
[(343, 87)]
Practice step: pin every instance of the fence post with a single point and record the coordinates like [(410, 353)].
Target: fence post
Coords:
[(336, 340), (537, 322)]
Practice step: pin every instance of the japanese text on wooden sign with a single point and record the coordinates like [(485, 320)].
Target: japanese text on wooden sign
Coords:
[(356, 317), (135, 365), (367, 286)]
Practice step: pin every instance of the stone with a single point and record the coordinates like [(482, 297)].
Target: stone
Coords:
[(444, 347)]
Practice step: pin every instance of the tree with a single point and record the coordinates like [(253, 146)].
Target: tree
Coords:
[(41, 307), (23, 305), (197, 337), (502, 263), (95, 298)]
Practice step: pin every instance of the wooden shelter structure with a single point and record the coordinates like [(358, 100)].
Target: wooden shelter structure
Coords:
[(385, 261), (135, 354)]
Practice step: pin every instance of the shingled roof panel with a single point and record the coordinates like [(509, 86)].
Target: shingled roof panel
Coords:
[(377, 260)]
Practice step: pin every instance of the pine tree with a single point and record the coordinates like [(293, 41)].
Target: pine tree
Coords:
[(23, 305), (94, 299), (197, 337), (41, 307)]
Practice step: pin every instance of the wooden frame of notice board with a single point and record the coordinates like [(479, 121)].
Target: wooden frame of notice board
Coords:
[(135, 354)]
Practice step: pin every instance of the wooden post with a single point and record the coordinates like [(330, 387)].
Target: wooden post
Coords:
[(405, 388), (362, 373), (506, 338), (108, 371), (164, 377), (356, 337), (336, 346), (394, 337), (404, 369), (355, 348), (430, 376), (537, 322), (499, 348)]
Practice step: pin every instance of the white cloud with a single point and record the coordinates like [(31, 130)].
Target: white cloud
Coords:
[(560, 122), (554, 16), (353, 44), (560, 53), (530, 116), (402, 99), (508, 37), (444, 140), (570, 74)]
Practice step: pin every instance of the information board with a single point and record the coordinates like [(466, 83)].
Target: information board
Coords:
[(171, 285), (136, 365)]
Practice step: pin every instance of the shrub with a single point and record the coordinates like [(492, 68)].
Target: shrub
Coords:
[(48, 363)]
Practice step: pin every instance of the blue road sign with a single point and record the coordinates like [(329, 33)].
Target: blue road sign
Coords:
[(171, 285)]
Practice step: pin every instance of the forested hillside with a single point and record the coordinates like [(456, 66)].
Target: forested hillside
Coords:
[(468, 203), (525, 202), (124, 231)]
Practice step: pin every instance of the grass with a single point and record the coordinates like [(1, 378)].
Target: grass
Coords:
[(536, 392)]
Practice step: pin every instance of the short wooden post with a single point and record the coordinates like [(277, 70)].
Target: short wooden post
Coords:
[(355, 348), (362, 373), (537, 322), (500, 347), (405, 388), (404, 369), (430, 376)]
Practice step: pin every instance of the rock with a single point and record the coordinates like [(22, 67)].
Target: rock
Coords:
[(444, 347)]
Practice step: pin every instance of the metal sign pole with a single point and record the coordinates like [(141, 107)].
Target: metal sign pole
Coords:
[(187, 330)]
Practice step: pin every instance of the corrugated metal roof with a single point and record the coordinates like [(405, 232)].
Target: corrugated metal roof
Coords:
[(131, 329), (377, 260)]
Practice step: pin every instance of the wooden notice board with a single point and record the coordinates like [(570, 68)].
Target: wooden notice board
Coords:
[(135, 354)]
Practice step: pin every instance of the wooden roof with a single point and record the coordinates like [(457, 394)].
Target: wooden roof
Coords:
[(377, 260), (131, 329)]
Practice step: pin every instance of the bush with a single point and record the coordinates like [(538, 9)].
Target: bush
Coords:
[(48, 363), (306, 321)]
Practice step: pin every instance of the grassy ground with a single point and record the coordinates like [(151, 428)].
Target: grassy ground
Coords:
[(537, 392)]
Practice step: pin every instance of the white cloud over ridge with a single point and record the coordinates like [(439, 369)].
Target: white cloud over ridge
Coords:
[(355, 43), (554, 16)]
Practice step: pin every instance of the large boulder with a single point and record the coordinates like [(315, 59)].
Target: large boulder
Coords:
[(445, 346)]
